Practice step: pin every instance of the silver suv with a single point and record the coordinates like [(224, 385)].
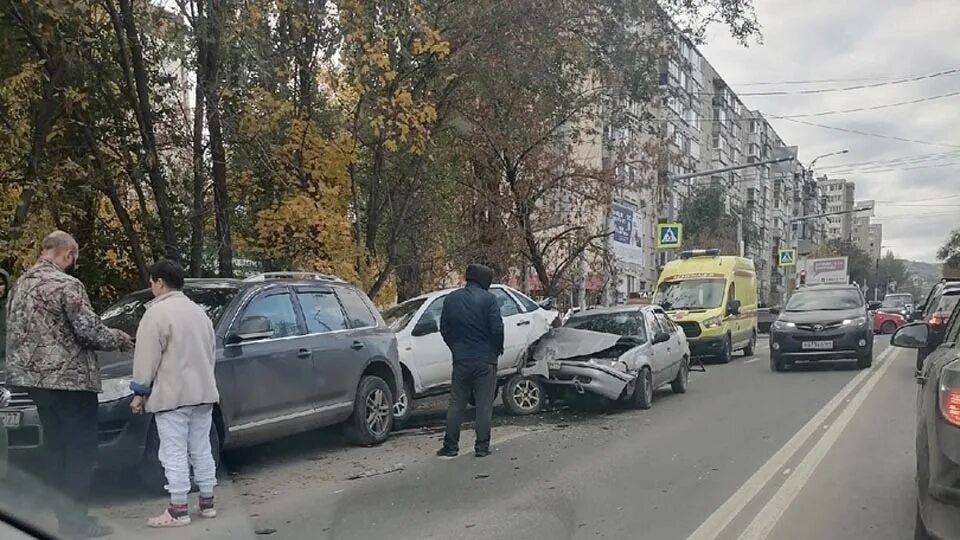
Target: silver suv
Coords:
[(295, 352)]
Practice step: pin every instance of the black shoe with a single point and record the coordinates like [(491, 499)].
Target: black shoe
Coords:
[(481, 452), (448, 452)]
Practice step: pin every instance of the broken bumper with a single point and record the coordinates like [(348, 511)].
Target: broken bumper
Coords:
[(589, 377)]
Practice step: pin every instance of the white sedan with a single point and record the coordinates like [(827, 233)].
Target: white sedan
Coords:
[(426, 360)]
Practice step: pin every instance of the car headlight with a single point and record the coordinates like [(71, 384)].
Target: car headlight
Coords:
[(4, 397), (712, 322), (783, 325), (114, 389), (859, 321)]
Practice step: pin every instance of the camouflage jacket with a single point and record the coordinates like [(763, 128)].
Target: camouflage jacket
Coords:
[(52, 332)]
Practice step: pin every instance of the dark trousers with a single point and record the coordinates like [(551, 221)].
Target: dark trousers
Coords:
[(69, 421), (478, 379)]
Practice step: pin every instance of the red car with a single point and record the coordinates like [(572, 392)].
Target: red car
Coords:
[(885, 322)]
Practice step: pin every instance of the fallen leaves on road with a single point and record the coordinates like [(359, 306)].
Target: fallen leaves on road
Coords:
[(367, 473)]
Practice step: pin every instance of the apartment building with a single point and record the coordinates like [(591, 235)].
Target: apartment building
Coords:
[(840, 197)]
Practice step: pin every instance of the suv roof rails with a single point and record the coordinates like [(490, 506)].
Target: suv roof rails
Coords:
[(267, 276)]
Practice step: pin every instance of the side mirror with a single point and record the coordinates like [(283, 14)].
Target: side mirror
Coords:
[(252, 328), (425, 327), (546, 303), (873, 306), (733, 308), (661, 337), (912, 336)]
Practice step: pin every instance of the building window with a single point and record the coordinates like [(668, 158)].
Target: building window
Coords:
[(631, 284)]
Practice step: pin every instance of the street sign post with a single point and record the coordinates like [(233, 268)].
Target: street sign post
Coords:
[(787, 257), (669, 235)]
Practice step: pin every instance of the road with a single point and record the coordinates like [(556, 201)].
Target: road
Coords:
[(821, 452)]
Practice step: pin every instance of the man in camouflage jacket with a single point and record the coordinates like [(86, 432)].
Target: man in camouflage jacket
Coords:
[(52, 336)]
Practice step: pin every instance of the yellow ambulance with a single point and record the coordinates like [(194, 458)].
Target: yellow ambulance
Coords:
[(714, 299)]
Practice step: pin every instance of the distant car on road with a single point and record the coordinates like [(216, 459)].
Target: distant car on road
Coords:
[(822, 322), (938, 428), (937, 315), (622, 353), (294, 352), (765, 318), (900, 303), (427, 363), (885, 322)]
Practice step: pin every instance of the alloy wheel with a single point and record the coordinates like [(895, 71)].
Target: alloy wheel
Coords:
[(526, 394), (378, 411), (400, 407)]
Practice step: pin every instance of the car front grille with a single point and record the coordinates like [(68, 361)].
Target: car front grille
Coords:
[(820, 327), (20, 399), (690, 328)]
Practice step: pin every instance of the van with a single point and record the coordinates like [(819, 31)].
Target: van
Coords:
[(714, 299)]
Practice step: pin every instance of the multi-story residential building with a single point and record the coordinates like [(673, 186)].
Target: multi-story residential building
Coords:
[(841, 197)]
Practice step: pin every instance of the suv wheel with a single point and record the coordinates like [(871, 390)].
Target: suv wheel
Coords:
[(777, 363), (523, 395), (752, 346), (403, 408), (372, 417), (150, 470), (727, 354), (642, 397), (865, 360), (680, 382), (888, 327)]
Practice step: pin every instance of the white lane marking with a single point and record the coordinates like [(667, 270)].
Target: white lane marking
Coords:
[(765, 520), (750, 361), (722, 516)]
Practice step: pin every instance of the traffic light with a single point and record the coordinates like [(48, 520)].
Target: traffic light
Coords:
[(803, 277)]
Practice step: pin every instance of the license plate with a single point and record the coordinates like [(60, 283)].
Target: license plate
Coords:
[(10, 419), (553, 365), (818, 345)]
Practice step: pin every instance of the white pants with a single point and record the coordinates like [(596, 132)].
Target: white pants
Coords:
[(185, 443)]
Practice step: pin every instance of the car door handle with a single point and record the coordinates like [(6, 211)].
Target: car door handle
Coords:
[(523, 323), (357, 345), (303, 353)]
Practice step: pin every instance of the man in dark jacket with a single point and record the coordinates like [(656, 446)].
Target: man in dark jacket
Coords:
[(472, 328)]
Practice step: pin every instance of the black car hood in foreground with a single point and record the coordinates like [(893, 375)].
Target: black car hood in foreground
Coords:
[(114, 365), (822, 315)]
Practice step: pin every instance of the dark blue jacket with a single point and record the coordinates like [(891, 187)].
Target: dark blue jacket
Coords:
[(471, 325)]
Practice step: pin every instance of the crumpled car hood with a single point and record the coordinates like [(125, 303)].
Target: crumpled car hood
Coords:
[(564, 343)]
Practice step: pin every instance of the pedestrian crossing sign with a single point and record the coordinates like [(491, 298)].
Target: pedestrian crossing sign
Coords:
[(788, 257), (669, 235)]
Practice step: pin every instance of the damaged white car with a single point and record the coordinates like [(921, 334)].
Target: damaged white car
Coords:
[(622, 353)]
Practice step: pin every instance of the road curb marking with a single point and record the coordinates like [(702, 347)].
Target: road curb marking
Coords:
[(721, 518)]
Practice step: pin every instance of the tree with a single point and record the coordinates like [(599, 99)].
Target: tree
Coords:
[(706, 222), (949, 253)]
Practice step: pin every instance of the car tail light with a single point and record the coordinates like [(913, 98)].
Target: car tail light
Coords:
[(950, 404), (939, 319)]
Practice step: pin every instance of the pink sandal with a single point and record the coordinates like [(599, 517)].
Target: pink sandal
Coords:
[(166, 519)]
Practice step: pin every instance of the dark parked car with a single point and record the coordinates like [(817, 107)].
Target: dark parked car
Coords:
[(937, 315), (822, 322), (938, 429), (294, 353)]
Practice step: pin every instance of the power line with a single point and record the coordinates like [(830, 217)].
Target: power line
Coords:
[(855, 87), (863, 109), (921, 200), (868, 134), (820, 81), (893, 169), (914, 158)]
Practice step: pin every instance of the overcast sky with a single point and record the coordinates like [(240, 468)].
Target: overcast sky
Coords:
[(871, 41)]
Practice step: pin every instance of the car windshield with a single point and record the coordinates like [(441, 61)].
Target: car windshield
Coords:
[(622, 324), (690, 294), (824, 299), (895, 302), (399, 316), (126, 313)]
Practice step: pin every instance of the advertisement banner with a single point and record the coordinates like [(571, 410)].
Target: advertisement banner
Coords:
[(627, 234)]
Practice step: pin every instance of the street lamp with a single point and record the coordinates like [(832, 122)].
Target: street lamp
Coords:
[(812, 163)]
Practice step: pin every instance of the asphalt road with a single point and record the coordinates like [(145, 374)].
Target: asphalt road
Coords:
[(822, 452)]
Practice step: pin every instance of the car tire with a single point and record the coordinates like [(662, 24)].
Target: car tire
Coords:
[(403, 408), (919, 529), (150, 470), (865, 360), (727, 353), (642, 397), (777, 363), (680, 382), (523, 395), (888, 327), (751, 347), (372, 417)]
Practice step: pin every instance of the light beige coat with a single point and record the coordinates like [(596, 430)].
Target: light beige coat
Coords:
[(175, 354)]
